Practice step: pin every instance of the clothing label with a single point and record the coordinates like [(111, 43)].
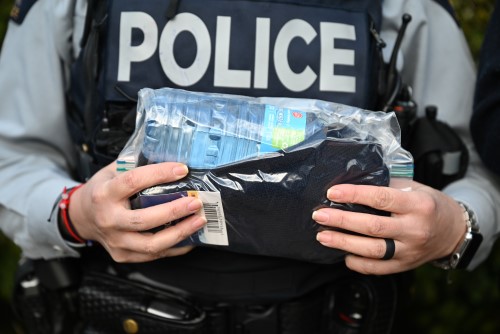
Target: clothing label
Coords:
[(215, 231), (282, 128)]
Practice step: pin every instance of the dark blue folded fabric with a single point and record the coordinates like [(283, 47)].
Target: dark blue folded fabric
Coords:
[(268, 202)]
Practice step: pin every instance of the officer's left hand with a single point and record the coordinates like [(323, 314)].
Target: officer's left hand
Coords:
[(425, 224)]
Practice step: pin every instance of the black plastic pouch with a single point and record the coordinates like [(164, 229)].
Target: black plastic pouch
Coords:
[(439, 154), (267, 203), (111, 304)]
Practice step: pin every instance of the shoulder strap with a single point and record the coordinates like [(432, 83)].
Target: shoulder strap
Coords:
[(96, 16), (83, 99)]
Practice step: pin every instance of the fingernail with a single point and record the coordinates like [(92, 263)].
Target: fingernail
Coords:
[(320, 216), (180, 170), (333, 194), (199, 222), (322, 237), (195, 205)]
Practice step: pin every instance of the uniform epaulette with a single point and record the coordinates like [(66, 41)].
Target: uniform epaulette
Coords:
[(20, 9)]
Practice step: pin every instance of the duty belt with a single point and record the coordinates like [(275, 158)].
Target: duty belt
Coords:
[(105, 301)]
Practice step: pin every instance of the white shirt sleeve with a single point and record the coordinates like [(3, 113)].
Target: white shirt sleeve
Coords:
[(35, 149)]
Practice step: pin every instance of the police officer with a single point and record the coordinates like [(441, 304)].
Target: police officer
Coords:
[(190, 44)]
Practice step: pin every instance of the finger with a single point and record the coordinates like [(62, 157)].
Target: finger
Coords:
[(138, 247), (154, 216), (363, 223), (374, 248), (370, 266), (381, 198), (181, 231), (130, 182)]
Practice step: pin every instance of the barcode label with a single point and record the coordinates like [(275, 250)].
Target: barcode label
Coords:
[(214, 232)]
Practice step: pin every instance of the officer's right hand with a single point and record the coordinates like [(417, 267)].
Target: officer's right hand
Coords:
[(100, 211)]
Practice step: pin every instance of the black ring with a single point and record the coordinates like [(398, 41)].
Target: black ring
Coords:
[(390, 249)]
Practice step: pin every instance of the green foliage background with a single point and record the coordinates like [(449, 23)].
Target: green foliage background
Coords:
[(442, 303)]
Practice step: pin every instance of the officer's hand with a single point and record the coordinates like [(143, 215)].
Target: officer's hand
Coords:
[(425, 225), (100, 211)]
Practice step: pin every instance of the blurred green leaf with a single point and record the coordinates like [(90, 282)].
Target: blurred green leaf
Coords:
[(4, 14), (9, 256), (473, 16)]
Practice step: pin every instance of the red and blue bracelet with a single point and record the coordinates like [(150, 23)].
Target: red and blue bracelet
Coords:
[(66, 227)]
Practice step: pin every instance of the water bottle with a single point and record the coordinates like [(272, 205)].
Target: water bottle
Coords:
[(209, 130)]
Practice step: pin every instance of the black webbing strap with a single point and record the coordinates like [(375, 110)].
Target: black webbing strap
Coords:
[(91, 61)]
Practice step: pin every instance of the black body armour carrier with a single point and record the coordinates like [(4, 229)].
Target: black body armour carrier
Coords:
[(326, 50)]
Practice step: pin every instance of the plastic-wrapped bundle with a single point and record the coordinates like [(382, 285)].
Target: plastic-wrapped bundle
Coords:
[(258, 192), (209, 132), (206, 134)]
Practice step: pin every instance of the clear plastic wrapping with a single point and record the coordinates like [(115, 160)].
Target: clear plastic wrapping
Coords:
[(263, 165)]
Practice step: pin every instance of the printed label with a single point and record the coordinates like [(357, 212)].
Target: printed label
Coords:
[(215, 231), (282, 128)]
